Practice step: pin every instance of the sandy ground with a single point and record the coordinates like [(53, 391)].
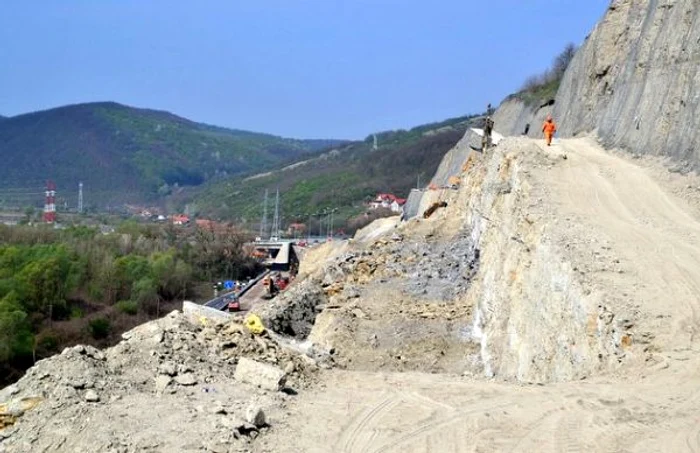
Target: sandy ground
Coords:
[(651, 238), (372, 412)]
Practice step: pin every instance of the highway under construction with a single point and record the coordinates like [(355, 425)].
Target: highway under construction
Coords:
[(280, 260)]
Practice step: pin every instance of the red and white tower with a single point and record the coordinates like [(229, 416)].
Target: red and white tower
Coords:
[(50, 204)]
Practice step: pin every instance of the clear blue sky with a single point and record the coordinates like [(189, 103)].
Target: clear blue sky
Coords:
[(300, 68)]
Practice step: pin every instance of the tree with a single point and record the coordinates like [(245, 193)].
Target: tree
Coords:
[(29, 213), (145, 293), (561, 62), (554, 73), (16, 338), (129, 269), (45, 282)]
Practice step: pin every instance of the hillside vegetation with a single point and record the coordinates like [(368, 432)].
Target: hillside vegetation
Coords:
[(543, 87), (61, 287), (343, 178), (122, 153)]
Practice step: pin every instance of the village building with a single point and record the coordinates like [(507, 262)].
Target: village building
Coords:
[(387, 201)]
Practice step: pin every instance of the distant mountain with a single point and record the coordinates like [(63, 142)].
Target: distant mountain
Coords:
[(343, 178), (122, 153)]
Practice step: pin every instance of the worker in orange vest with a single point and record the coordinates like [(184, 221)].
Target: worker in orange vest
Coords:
[(549, 128)]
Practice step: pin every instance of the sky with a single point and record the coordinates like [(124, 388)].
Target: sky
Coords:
[(297, 68)]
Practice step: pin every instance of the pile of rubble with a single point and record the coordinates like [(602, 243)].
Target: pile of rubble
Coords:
[(219, 374)]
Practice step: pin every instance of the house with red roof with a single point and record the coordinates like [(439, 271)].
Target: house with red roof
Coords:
[(180, 219), (387, 201)]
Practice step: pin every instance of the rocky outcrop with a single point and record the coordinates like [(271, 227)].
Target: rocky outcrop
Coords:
[(294, 311), (451, 166), (170, 385), (512, 117), (634, 82)]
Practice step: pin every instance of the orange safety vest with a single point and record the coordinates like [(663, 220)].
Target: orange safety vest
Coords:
[(549, 128)]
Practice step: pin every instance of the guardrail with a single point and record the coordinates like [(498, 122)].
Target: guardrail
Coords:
[(220, 302)]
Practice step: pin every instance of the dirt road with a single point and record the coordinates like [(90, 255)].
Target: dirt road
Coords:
[(652, 238), (419, 413), (655, 236)]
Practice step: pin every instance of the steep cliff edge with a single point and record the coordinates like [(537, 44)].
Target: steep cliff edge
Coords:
[(634, 82)]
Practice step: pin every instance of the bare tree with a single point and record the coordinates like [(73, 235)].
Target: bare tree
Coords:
[(562, 61), (554, 73)]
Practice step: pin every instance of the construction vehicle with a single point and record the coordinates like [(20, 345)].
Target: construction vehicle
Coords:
[(233, 302), (271, 289), (281, 283)]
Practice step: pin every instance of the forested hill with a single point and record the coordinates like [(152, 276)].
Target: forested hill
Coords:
[(343, 178), (122, 153)]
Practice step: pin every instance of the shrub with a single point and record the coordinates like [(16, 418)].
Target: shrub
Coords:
[(128, 307), (545, 85), (99, 328)]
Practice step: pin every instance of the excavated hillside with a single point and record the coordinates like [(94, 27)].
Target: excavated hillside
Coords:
[(545, 301), (535, 299), (549, 305), (634, 82)]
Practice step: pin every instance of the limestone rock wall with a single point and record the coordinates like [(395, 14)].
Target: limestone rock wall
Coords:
[(512, 116)]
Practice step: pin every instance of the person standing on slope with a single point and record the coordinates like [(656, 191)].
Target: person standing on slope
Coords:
[(549, 128)]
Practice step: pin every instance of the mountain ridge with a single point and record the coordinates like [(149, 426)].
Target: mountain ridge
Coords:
[(127, 153), (343, 178)]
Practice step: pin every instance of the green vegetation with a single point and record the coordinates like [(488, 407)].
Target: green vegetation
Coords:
[(99, 328), (127, 154), (130, 307), (343, 178), (59, 287), (542, 88)]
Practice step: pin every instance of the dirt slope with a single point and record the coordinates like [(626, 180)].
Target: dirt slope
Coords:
[(655, 236), (554, 298), (600, 279)]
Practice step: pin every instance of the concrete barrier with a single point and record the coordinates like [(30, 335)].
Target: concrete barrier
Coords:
[(199, 314)]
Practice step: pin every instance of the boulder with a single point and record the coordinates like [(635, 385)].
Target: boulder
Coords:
[(261, 375), (162, 382), (186, 379), (91, 396), (255, 416)]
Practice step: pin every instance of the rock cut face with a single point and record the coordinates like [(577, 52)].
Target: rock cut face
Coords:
[(636, 82)]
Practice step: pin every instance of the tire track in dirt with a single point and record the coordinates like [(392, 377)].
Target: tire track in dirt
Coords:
[(431, 427), (643, 222), (359, 427)]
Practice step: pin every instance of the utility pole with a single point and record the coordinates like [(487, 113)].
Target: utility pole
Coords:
[(308, 230), (322, 217), (330, 228), (276, 221), (50, 203), (80, 198), (374, 146), (263, 224)]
